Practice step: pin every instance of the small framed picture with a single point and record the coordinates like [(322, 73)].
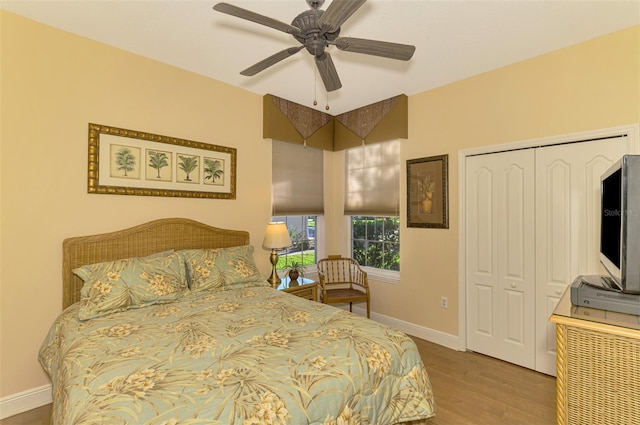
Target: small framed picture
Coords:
[(427, 192)]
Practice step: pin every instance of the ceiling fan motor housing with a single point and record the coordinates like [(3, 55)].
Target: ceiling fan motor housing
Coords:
[(312, 37), (315, 4)]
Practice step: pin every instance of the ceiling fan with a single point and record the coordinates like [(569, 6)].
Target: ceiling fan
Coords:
[(317, 29)]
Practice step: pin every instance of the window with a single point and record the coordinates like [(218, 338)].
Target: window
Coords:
[(372, 187), (302, 231), (375, 242)]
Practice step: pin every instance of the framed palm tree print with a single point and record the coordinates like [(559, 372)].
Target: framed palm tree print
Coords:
[(129, 162)]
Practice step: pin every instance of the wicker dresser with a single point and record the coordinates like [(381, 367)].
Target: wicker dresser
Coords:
[(598, 365)]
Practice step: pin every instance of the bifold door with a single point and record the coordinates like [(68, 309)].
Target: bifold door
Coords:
[(532, 225)]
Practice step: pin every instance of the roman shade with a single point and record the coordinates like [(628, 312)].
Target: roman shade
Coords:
[(372, 179), (297, 178)]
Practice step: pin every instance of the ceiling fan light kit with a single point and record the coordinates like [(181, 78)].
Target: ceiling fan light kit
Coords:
[(316, 29)]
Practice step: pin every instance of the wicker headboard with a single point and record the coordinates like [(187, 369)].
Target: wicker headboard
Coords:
[(145, 239)]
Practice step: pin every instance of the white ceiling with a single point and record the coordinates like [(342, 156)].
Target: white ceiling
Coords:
[(454, 39)]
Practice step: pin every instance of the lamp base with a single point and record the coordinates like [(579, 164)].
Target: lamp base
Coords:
[(274, 279)]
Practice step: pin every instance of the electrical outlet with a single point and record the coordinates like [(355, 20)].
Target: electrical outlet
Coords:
[(444, 302)]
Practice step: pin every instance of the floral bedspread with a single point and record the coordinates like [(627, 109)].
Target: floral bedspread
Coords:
[(247, 356)]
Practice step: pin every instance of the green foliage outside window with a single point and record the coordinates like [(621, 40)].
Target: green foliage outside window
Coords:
[(285, 261), (375, 242), (302, 231)]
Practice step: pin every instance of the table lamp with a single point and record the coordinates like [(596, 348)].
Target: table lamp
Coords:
[(276, 237)]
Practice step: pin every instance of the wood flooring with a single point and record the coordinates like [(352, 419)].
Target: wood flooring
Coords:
[(472, 389), (469, 388), (39, 416)]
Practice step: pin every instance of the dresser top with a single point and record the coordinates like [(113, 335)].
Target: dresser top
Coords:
[(567, 313)]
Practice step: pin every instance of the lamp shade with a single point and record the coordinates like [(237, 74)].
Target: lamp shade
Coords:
[(276, 236)]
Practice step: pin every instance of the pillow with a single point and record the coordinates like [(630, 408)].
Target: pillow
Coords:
[(222, 269), (237, 265), (202, 273), (117, 285)]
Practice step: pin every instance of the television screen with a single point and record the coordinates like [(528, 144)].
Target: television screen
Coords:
[(611, 219), (620, 223)]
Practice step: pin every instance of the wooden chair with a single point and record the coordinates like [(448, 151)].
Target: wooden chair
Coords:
[(343, 281)]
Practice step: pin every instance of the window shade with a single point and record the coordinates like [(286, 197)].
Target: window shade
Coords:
[(297, 179), (372, 179)]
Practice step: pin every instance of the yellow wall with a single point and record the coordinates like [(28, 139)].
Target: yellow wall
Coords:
[(54, 83), (588, 86)]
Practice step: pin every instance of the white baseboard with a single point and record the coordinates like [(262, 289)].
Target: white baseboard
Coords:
[(431, 335), (36, 397), (24, 401)]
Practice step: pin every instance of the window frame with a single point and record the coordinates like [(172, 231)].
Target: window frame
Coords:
[(379, 275), (285, 252)]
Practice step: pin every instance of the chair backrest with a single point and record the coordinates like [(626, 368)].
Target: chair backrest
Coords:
[(338, 269)]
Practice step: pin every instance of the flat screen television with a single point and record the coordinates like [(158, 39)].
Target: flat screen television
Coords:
[(620, 223)]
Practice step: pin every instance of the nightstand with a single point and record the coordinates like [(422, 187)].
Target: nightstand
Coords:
[(303, 288)]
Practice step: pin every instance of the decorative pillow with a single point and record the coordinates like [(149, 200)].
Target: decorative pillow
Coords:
[(131, 283), (237, 265), (202, 273), (222, 269)]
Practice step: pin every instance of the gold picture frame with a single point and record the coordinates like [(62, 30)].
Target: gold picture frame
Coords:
[(129, 162), (427, 192)]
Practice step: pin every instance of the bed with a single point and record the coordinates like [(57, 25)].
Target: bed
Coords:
[(170, 322)]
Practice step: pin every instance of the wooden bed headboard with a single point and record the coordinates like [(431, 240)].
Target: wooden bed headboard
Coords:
[(139, 241)]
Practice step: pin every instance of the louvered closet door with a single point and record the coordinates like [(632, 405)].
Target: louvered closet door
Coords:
[(500, 256), (567, 227)]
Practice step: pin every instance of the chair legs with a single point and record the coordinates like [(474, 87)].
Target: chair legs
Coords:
[(368, 310)]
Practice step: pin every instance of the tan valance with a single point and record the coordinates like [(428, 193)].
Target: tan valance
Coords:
[(294, 123), (291, 122)]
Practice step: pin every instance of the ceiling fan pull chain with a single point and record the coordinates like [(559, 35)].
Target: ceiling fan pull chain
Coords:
[(315, 86)]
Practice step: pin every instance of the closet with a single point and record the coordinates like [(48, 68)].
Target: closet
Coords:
[(531, 226)]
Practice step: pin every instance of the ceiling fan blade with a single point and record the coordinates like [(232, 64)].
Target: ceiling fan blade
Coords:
[(328, 72), (377, 48), (338, 12), (271, 60), (239, 12)]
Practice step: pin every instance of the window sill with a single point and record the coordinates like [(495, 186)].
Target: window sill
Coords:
[(380, 275)]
